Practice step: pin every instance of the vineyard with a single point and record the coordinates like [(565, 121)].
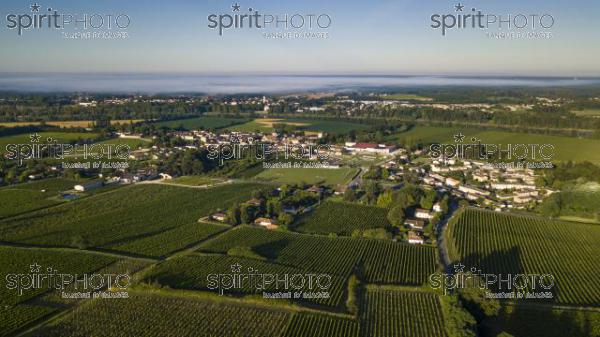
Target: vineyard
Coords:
[(190, 272), (311, 325), (168, 316), (387, 313), (15, 310), (165, 243), (119, 216), (343, 218), (27, 197), (502, 243), (383, 261)]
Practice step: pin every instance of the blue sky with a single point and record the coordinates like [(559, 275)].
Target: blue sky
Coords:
[(374, 37)]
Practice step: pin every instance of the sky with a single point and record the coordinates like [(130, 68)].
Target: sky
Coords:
[(364, 37)]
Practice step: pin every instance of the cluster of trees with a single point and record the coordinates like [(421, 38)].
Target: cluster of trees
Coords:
[(273, 205)]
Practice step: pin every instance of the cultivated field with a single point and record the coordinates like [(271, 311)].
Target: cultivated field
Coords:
[(503, 243), (26, 197), (46, 136), (120, 216), (205, 122), (69, 124), (382, 261), (400, 313), (313, 125), (343, 218), (308, 175)]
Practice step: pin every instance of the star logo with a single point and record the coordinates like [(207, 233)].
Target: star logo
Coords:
[(236, 268), (235, 8), (459, 137), (459, 7), (35, 138), (35, 268), (458, 268), (35, 7)]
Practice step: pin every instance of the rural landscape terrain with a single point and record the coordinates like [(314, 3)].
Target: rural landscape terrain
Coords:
[(372, 212)]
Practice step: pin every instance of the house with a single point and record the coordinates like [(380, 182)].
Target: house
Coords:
[(315, 189), (437, 207), (423, 214), (266, 222), (414, 238), (88, 186), (473, 190), (220, 216), (415, 223), (452, 182), (165, 176), (253, 202)]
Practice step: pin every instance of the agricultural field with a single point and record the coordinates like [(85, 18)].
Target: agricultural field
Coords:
[(521, 321), (587, 112), (190, 272), (166, 315), (193, 180), (502, 243), (17, 310), (382, 261), (400, 313), (125, 214), (69, 124), (205, 122), (312, 125), (22, 198), (165, 243), (343, 218), (308, 175), (312, 325), (133, 143), (60, 137), (406, 96), (564, 147)]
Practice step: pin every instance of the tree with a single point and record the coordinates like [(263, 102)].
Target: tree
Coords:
[(246, 214), (385, 199), (396, 216), (234, 215)]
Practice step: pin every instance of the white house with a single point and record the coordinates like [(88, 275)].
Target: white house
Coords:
[(414, 238), (423, 214)]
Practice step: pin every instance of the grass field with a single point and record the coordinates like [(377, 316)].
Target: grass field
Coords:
[(26, 197), (206, 122), (587, 112), (60, 137), (133, 143), (565, 148), (503, 244), (341, 175), (405, 96), (119, 216), (400, 313), (382, 261), (343, 218)]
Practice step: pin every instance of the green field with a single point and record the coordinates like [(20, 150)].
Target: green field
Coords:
[(381, 261), (405, 96), (313, 125), (521, 321), (587, 112), (162, 315), (312, 325), (16, 310), (21, 198), (205, 122), (133, 143), (565, 148), (341, 175), (193, 180), (119, 216), (401, 313), (502, 244), (190, 272), (167, 242), (343, 218), (60, 137)]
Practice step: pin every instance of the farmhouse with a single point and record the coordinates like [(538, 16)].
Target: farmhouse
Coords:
[(414, 238), (266, 222), (423, 214), (253, 202), (415, 223), (220, 216), (88, 186)]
